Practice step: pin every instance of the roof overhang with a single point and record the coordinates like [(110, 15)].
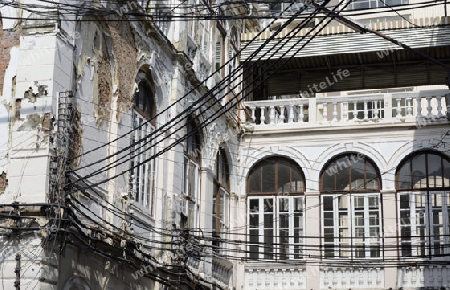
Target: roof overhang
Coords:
[(372, 62)]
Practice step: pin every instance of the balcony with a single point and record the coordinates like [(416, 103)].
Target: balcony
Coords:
[(275, 276), (416, 108)]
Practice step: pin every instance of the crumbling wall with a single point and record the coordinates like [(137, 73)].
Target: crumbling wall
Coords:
[(104, 81), (125, 56), (8, 39)]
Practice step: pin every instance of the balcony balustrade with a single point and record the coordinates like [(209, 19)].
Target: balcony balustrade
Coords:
[(421, 108)]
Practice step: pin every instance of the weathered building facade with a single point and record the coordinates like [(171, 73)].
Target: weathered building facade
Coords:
[(112, 143), (346, 170), (137, 153)]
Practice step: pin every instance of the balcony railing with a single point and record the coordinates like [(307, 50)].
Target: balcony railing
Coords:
[(421, 108), (424, 276), (271, 277)]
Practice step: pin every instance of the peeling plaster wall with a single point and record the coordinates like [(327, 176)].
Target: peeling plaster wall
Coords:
[(125, 55)]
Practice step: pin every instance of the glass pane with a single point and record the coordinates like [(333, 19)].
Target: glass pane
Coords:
[(446, 173), (297, 181), (298, 204), (372, 177), (328, 219), (358, 181), (268, 244), (404, 176), (268, 176), (359, 219), (284, 176), (268, 205), (329, 251), (374, 219), (254, 205), (268, 220), (327, 203), (284, 221), (404, 201), (359, 202), (343, 202), (418, 171), (342, 174), (255, 181), (373, 202), (283, 204), (298, 220), (328, 235), (254, 249), (254, 220), (328, 177), (284, 243), (434, 170)]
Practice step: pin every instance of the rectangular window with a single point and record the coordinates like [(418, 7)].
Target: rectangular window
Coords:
[(276, 227), (351, 226), (142, 182), (220, 217), (191, 183), (424, 223), (371, 4)]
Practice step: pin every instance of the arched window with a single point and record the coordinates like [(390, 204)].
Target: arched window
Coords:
[(221, 198), (276, 204), (142, 181), (423, 189), (350, 207), (191, 171)]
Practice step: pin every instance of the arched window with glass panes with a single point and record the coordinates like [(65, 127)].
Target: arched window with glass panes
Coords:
[(221, 201), (190, 206), (350, 208), (276, 204), (423, 194), (142, 181)]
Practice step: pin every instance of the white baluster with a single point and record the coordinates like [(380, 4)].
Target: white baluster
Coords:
[(366, 112), (282, 117), (325, 112), (272, 115), (375, 110), (439, 107), (378, 279), (263, 115), (355, 111), (409, 108), (399, 109), (361, 276), (345, 111), (253, 114), (429, 108), (334, 112), (439, 274), (431, 279), (334, 280), (291, 113), (300, 115), (419, 107)]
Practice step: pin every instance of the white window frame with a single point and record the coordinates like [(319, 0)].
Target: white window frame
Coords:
[(191, 207), (143, 176), (351, 227), (276, 255), (378, 4), (414, 215)]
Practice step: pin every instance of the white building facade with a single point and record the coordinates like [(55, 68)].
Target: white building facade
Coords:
[(345, 164)]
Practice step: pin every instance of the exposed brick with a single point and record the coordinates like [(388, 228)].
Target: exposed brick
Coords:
[(8, 39), (3, 182)]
